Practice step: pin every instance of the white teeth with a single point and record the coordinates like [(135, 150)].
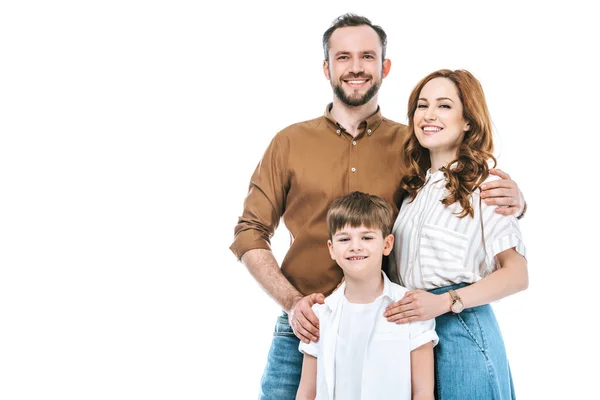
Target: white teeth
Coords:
[(356, 258), (431, 129), (356, 82)]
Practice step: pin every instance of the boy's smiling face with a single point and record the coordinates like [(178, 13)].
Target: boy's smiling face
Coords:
[(359, 250)]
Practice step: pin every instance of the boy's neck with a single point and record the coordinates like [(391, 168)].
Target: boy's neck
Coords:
[(363, 291)]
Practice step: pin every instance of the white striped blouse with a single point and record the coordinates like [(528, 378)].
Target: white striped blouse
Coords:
[(434, 247)]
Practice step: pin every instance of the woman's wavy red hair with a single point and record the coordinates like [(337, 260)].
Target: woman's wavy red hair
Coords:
[(470, 168)]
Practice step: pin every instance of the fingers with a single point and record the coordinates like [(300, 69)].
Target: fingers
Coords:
[(497, 184), (499, 192), (317, 298), (502, 201), (398, 310), (309, 320), (404, 317), (500, 173), (396, 305), (507, 210), (405, 320), (306, 328), (304, 322), (301, 333)]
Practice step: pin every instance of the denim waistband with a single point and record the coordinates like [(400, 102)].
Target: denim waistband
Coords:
[(444, 289)]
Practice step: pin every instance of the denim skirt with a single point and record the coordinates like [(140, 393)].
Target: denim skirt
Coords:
[(470, 358)]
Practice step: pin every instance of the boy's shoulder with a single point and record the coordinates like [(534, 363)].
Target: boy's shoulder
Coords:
[(397, 291), (318, 309)]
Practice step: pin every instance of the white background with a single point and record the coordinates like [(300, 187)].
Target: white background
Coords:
[(129, 131)]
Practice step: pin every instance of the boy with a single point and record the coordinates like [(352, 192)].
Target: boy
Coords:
[(360, 355)]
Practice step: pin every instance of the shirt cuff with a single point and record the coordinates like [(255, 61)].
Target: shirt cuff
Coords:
[(308, 348), (423, 338)]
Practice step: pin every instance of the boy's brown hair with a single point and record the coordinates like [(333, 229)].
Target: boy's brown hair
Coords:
[(360, 209)]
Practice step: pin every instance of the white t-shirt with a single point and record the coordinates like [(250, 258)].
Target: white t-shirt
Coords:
[(382, 362), (352, 340), (433, 247)]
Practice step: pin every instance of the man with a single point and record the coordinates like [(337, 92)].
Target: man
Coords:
[(308, 165)]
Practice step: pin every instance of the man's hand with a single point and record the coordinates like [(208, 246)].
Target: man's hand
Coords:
[(503, 192), (303, 320)]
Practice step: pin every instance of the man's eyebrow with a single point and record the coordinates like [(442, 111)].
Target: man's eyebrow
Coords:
[(340, 52)]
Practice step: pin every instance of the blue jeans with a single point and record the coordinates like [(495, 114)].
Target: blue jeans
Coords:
[(281, 377), (470, 358)]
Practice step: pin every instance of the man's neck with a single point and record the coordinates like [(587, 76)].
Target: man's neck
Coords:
[(363, 291), (350, 117)]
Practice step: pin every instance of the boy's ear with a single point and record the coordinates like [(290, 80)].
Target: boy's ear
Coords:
[(388, 244), (330, 247)]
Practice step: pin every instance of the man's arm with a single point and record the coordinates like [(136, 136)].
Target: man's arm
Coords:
[(264, 268), (421, 372), (308, 381)]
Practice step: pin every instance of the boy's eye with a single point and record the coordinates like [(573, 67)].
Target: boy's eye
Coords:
[(342, 239), (368, 238)]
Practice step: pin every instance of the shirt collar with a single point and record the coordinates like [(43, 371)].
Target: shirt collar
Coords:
[(369, 124), (335, 299)]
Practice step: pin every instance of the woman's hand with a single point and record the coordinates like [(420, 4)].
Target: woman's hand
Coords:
[(418, 305)]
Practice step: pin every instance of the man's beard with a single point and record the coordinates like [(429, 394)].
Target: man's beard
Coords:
[(355, 101)]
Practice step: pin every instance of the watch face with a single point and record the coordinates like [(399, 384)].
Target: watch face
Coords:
[(457, 307)]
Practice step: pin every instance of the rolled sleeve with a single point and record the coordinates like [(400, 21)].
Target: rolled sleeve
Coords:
[(312, 348), (422, 332), (502, 233), (264, 204)]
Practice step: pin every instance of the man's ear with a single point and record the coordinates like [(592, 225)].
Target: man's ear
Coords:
[(388, 244), (326, 69), (387, 65)]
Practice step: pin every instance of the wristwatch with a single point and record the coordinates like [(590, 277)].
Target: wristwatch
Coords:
[(457, 304)]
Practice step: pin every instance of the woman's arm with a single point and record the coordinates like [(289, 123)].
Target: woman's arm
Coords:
[(420, 305), (511, 278), (308, 381)]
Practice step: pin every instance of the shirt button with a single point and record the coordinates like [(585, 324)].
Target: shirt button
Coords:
[(353, 169), (354, 142)]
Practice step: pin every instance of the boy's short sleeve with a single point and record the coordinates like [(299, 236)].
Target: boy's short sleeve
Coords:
[(311, 348), (422, 332)]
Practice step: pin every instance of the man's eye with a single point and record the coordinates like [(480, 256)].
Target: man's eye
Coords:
[(370, 57), (342, 57)]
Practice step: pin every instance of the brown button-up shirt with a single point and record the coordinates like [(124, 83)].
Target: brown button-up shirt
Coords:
[(306, 167)]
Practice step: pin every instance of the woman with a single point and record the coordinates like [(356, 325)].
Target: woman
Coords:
[(454, 252)]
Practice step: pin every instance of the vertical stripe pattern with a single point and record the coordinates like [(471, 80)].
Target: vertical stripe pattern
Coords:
[(435, 248)]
